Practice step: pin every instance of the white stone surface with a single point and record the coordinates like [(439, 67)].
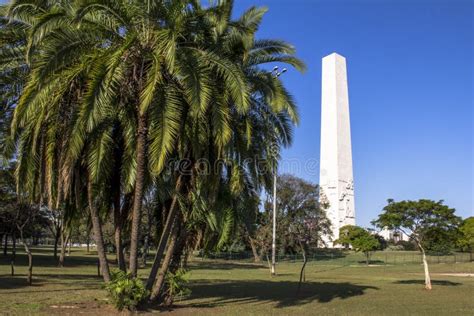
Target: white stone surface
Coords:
[(393, 235), (336, 176)]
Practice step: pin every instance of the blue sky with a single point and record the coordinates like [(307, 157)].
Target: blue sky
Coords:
[(411, 91)]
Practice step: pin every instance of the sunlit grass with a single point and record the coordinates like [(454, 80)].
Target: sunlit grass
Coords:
[(340, 286)]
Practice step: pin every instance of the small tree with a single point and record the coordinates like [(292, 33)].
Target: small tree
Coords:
[(359, 239), (418, 219), (466, 240), (303, 219), (263, 235)]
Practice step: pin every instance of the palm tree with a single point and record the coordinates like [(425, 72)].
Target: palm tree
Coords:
[(133, 85), (168, 73), (233, 131)]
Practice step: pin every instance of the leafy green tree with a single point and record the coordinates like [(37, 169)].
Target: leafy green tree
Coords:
[(383, 244), (8, 200), (301, 220), (359, 239), (440, 241), (418, 219), (466, 240)]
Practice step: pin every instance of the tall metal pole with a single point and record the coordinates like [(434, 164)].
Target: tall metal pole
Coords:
[(274, 220), (275, 73)]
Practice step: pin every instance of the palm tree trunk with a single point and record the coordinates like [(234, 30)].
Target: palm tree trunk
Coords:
[(117, 211), (167, 229), (164, 267), (138, 196), (118, 225), (119, 248), (170, 223), (197, 245), (98, 236)]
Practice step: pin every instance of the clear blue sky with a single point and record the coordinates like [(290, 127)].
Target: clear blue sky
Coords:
[(411, 91), (410, 73)]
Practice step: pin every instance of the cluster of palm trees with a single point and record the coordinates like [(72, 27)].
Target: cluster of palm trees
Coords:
[(118, 100)]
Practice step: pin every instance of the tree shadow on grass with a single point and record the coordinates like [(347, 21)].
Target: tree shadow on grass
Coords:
[(19, 281), (283, 293), (371, 262), (49, 262), (196, 265), (433, 282)]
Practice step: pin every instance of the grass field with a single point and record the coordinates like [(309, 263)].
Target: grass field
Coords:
[(332, 287)]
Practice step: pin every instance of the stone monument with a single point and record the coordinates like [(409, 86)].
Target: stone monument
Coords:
[(336, 177)]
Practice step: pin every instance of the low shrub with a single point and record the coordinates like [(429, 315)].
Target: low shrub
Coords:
[(125, 291), (175, 286)]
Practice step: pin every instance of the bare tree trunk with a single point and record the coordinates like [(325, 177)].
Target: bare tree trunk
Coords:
[(89, 229), (256, 257), (164, 267), (367, 257), (30, 257), (167, 229), (30, 264), (5, 244), (64, 240), (13, 257), (138, 196), (302, 272), (98, 236), (425, 266), (146, 246), (14, 244), (56, 242), (268, 262)]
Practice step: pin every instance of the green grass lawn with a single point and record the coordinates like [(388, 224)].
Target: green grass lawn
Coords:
[(332, 287)]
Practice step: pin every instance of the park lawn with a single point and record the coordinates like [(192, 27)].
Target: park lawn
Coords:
[(243, 288)]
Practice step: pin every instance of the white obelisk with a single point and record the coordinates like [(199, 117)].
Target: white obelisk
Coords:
[(336, 177)]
